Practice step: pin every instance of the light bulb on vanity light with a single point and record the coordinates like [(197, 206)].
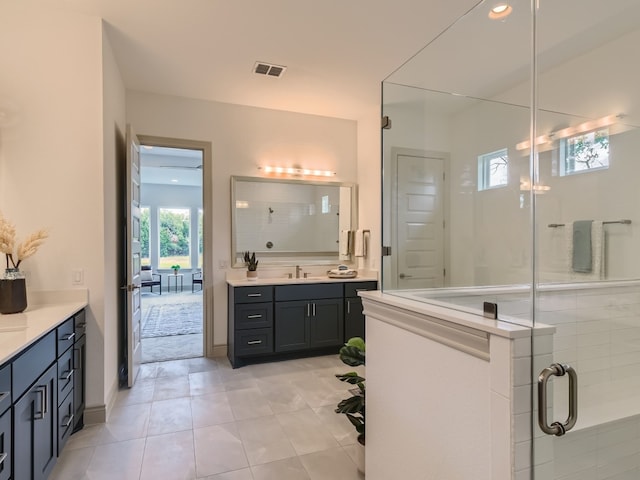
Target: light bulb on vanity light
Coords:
[(296, 171)]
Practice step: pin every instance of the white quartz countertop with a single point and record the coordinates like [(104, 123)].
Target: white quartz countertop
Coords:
[(243, 282), (45, 311)]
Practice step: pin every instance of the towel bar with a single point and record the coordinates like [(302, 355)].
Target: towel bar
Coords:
[(625, 222)]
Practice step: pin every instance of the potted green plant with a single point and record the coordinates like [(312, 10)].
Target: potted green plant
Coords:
[(352, 353), (176, 268), (252, 265)]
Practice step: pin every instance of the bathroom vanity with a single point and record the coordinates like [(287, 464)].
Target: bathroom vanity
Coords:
[(280, 318), (42, 383)]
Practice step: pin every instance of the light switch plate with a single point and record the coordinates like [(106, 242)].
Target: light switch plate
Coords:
[(77, 276)]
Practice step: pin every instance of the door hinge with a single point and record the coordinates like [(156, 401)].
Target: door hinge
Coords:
[(386, 122), (386, 251), (444, 272)]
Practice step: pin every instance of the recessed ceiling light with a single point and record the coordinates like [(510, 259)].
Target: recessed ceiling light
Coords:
[(174, 180), (500, 11)]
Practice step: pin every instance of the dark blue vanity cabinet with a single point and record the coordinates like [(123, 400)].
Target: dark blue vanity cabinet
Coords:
[(353, 316), (276, 321), (40, 385)]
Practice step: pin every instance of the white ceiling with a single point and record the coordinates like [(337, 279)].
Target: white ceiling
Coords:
[(336, 51)]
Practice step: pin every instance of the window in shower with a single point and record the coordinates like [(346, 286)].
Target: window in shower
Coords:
[(493, 169), (585, 152)]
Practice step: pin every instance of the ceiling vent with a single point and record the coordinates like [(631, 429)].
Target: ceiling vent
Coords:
[(269, 69)]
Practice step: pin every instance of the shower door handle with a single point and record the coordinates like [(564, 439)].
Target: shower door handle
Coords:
[(556, 428)]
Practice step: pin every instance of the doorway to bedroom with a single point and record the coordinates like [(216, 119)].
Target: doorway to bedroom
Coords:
[(171, 235)]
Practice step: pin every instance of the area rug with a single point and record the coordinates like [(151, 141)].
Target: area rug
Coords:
[(173, 319)]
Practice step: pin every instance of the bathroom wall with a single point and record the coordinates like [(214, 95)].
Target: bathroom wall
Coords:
[(243, 139), (58, 162), (490, 230)]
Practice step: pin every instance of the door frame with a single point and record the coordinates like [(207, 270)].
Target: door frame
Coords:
[(207, 225), (392, 280)]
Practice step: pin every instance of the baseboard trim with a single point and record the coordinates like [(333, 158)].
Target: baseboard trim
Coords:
[(219, 351), (95, 415)]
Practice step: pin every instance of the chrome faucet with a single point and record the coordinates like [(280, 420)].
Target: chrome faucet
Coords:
[(298, 270)]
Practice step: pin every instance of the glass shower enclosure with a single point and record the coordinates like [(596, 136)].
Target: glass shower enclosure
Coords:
[(511, 149)]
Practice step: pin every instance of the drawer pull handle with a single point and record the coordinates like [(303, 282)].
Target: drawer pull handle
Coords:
[(81, 325), (254, 342), (69, 337), (3, 456), (66, 376), (65, 425), (254, 295), (42, 391), (255, 316), (77, 366), (2, 397), (348, 306)]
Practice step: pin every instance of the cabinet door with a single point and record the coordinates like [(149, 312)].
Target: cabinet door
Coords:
[(5, 446), (353, 318), (79, 389), (35, 429), (292, 326), (326, 323)]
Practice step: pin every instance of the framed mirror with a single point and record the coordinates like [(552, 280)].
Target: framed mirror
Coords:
[(288, 221)]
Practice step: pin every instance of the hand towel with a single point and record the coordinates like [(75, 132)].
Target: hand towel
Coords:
[(582, 247), (598, 260), (345, 244), (360, 244)]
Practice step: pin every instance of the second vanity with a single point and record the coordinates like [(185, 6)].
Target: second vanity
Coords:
[(279, 318)]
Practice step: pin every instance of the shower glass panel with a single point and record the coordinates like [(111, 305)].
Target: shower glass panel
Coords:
[(586, 218), (457, 194), (510, 176)]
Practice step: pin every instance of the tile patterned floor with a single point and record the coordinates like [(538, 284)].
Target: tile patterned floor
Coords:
[(200, 419)]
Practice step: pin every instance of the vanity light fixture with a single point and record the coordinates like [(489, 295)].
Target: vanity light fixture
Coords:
[(584, 127), (500, 11), (299, 172)]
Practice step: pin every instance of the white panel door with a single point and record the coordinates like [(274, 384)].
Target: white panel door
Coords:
[(420, 221), (134, 313)]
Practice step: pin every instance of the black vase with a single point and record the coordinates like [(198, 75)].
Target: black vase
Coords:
[(13, 293)]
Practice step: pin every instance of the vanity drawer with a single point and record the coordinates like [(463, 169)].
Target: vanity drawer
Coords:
[(65, 421), (254, 315), (253, 294), (5, 388), (65, 374), (65, 334), (314, 291), (254, 342), (351, 289), (80, 323)]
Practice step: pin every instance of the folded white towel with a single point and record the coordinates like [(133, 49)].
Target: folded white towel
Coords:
[(360, 247)]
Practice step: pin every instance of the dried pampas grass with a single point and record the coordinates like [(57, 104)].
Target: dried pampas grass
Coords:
[(25, 249)]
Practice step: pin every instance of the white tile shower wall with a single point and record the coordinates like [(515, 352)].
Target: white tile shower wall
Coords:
[(598, 333)]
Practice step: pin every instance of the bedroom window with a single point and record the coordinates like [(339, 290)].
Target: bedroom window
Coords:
[(175, 229), (144, 236), (493, 170)]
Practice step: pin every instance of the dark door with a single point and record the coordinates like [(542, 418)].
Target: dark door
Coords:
[(292, 326), (326, 323), (35, 429)]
